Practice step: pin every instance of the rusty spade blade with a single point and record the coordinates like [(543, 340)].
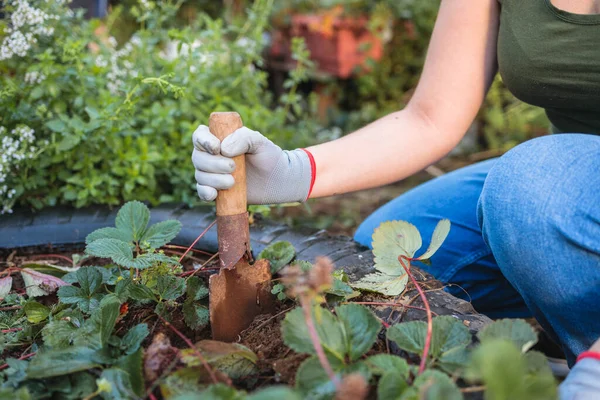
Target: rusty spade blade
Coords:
[(241, 290)]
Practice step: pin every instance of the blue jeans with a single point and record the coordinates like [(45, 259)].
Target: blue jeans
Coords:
[(525, 236)]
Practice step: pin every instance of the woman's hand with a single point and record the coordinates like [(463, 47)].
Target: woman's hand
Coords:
[(272, 175)]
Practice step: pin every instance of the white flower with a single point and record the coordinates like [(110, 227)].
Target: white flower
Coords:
[(26, 25), (136, 41), (15, 147), (34, 77), (112, 41), (101, 62)]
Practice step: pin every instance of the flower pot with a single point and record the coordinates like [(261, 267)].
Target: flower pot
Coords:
[(337, 44)]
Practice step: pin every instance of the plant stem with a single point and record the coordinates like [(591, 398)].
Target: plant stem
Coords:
[(210, 371), (376, 303), (11, 330), (174, 246), (26, 356), (473, 389), (305, 303), (60, 256), (191, 273), (91, 395), (198, 238), (428, 310), (10, 308)]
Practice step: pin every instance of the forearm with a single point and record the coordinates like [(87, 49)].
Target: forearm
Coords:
[(387, 150)]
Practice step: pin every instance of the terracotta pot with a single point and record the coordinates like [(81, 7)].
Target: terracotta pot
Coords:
[(337, 44)]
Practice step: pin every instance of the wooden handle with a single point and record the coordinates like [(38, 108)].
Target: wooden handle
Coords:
[(231, 201)]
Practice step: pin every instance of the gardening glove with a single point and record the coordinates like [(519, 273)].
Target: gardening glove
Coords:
[(272, 175)]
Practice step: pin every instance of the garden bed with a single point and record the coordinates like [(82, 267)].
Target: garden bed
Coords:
[(159, 342)]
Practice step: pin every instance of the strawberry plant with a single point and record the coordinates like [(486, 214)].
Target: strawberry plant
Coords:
[(109, 326)]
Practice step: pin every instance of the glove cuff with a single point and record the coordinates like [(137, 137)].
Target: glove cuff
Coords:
[(313, 172)]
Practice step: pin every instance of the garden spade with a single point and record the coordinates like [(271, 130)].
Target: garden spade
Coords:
[(241, 289)]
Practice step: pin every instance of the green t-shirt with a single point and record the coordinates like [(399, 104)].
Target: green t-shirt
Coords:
[(551, 58)]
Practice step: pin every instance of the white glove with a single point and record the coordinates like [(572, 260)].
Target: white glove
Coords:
[(272, 175)]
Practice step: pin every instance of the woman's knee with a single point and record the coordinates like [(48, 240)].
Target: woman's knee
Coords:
[(529, 191)]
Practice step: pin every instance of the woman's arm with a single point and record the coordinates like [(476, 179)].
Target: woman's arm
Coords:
[(460, 66)]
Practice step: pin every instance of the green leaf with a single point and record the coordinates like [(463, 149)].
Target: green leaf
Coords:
[(130, 343), (117, 250), (133, 218), (391, 240), (36, 312), (20, 394), (275, 393), (516, 330), (196, 315), (448, 333), (381, 364), (312, 380), (279, 255), (503, 369), (170, 287), (61, 362), (186, 382), (105, 317), (537, 363), (92, 112), (82, 384), (120, 383), (122, 289), (339, 288), (433, 385), (15, 373), (58, 333), (141, 292), (361, 328), (147, 260), (219, 391), (295, 332), (409, 336), (439, 235), (161, 233), (454, 361), (304, 265), (390, 387), (132, 364), (196, 289), (68, 142), (109, 233), (389, 285), (85, 296), (233, 359), (56, 125)]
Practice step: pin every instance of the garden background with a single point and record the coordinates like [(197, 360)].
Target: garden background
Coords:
[(101, 111)]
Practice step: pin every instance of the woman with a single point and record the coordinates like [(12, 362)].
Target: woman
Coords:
[(525, 237)]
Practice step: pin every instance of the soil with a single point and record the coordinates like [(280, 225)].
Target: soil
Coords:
[(275, 360)]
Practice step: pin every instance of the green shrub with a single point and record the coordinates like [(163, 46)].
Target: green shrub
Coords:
[(86, 120)]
